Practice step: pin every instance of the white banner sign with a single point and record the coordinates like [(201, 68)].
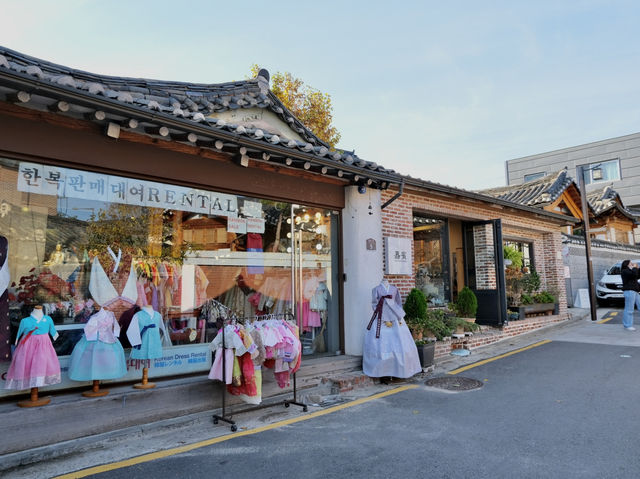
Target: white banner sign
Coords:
[(255, 225), (237, 225), (398, 255), (70, 183)]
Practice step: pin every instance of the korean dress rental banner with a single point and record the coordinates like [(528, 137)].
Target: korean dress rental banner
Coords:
[(144, 335), (98, 354), (34, 362), (389, 349)]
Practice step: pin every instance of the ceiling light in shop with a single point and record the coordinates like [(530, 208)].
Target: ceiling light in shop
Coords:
[(319, 246)]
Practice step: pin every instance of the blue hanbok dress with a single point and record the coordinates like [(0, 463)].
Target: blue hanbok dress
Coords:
[(144, 335), (98, 355)]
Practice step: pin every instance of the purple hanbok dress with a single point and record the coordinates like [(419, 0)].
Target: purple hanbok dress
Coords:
[(389, 350)]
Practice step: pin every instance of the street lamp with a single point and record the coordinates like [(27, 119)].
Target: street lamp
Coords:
[(587, 236)]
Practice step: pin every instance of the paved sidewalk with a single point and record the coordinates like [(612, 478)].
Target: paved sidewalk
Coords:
[(117, 445)]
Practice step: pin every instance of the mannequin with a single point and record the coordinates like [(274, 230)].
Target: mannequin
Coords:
[(389, 349), (146, 343), (35, 362), (98, 355)]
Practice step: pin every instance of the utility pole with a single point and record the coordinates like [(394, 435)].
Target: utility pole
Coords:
[(587, 240)]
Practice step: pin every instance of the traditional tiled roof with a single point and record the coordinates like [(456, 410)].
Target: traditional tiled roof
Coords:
[(606, 199), (539, 193), (190, 104)]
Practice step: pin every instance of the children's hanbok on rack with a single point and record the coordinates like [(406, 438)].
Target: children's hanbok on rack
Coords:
[(34, 362), (98, 354), (389, 349), (144, 334)]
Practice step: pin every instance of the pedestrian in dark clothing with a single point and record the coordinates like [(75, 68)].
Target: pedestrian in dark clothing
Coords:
[(630, 287)]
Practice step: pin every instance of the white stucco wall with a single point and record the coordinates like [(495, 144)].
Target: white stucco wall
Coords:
[(363, 268)]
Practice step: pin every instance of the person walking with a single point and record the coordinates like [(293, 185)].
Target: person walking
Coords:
[(630, 287)]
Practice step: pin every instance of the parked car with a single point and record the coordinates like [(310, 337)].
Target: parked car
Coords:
[(609, 288)]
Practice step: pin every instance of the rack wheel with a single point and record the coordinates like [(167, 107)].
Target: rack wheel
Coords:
[(286, 404), (215, 420), (234, 428), (304, 409)]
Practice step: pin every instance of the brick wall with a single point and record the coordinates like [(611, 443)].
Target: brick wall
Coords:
[(397, 221)]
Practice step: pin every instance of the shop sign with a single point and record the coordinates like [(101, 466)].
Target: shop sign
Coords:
[(255, 225), (70, 183), (175, 360), (237, 225), (398, 255)]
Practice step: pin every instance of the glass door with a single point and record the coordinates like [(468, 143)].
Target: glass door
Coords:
[(314, 278)]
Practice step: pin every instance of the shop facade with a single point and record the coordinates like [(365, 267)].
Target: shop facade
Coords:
[(120, 193), (455, 238)]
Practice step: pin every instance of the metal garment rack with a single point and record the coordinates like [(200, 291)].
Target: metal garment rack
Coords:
[(286, 403)]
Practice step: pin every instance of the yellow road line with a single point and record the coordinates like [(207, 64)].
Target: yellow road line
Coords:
[(602, 321), (614, 313), (485, 361), (178, 450)]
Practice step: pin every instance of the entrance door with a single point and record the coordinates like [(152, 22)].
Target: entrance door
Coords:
[(484, 269), (314, 278)]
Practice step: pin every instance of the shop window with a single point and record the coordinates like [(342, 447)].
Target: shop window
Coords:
[(524, 253), (80, 241), (430, 252)]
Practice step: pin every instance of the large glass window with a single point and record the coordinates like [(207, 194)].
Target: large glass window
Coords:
[(79, 241), (431, 269), (601, 171)]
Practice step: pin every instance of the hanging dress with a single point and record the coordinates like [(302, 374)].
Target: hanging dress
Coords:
[(144, 335), (389, 349), (98, 354), (102, 290), (34, 362)]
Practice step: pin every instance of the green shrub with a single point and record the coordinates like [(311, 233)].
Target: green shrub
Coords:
[(544, 297), (453, 322), (530, 282), (437, 326), (467, 303), (415, 306), (526, 299)]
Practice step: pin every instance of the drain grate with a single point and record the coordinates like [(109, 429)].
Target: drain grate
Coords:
[(454, 383)]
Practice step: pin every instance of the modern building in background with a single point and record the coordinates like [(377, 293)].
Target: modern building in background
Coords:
[(615, 162)]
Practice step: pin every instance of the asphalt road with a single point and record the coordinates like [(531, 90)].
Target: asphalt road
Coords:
[(563, 409)]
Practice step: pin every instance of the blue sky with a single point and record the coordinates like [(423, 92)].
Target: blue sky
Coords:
[(444, 92)]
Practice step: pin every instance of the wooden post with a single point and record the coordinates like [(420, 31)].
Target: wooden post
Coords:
[(95, 390), (145, 384), (34, 400)]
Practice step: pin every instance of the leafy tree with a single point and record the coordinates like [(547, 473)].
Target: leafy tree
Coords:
[(312, 107)]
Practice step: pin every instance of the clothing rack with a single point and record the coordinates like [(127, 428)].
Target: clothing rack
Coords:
[(286, 403)]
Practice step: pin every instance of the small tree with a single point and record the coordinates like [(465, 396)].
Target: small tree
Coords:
[(467, 303), (415, 306)]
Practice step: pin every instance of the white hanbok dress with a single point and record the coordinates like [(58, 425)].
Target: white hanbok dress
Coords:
[(389, 350)]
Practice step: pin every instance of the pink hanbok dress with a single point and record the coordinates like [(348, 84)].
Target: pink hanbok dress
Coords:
[(35, 363)]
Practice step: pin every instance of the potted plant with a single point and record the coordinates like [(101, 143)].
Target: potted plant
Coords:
[(415, 309), (460, 325), (466, 306), (434, 325), (426, 351)]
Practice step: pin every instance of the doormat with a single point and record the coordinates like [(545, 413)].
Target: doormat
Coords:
[(454, 383)]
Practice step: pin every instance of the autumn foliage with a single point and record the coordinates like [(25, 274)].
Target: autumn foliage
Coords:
[(309, 105)]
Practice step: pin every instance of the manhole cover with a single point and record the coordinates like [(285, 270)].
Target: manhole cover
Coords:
[(454, 383)]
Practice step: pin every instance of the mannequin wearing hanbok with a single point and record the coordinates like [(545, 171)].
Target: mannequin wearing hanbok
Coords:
[(146, 343), (144, 334), (98, 354), (34, 362), (389, 349)]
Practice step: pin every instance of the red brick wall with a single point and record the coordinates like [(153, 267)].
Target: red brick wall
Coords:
[(397, 221)]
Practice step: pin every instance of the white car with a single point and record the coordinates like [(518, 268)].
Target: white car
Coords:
[(610, 285)]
